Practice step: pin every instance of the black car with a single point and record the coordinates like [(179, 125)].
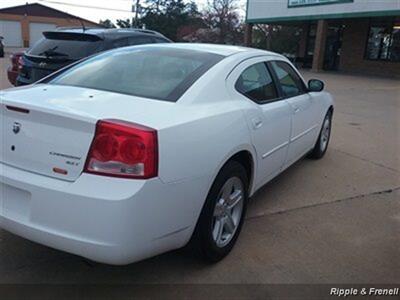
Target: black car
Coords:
[(64, 46)]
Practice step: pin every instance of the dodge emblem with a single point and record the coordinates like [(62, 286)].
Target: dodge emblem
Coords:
[(16, 127)]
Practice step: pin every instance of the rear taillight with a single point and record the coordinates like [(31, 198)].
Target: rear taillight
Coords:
[(123, 149), (20, 63), (14, 61)]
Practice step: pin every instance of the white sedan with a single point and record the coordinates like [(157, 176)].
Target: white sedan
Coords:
[(141, 150)]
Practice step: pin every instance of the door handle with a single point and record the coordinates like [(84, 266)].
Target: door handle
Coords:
[(257, 123)]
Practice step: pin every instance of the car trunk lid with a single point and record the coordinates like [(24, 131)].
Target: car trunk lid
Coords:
[(44, 142), (49, 129)]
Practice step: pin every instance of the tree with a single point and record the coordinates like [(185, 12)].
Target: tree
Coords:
[(179, 20), (223, 15), (277, 38), (124, 23), (107, 23), (171, 17)]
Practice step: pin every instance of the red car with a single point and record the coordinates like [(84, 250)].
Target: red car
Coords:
[(12, 71)]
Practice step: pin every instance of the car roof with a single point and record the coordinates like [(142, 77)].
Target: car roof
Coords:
[(110, 33), (224, 50)]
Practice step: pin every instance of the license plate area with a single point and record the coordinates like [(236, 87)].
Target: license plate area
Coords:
[(15, 202)]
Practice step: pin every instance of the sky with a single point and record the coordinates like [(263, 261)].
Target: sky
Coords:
[(108, 9)]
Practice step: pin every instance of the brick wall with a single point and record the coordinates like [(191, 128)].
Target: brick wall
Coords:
[(353, 50)]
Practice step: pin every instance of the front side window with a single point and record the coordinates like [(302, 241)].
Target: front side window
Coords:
[(290, 82), (312, 33), (156, 73), (256, 83), (384, 42)]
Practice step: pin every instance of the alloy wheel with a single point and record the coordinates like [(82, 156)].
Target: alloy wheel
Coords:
[(228, 211), (325, 133)]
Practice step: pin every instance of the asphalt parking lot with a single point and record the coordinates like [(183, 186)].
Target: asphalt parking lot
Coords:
[(336, 220)]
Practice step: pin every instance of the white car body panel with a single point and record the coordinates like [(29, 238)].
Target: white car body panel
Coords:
[(111, 220), (270, 119), (118, 221)]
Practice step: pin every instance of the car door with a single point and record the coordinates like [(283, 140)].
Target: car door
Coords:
[(304, 110), (267, 115)]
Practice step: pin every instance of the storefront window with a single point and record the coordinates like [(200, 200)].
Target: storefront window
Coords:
[(395, 46), (384, 42), (312, 33)]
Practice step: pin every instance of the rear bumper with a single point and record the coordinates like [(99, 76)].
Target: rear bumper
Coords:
[(20, 81), (110, 220)]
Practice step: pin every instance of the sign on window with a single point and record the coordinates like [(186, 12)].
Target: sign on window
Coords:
[(296, 3)]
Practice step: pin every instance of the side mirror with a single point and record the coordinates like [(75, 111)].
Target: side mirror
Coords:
[(315, 85)]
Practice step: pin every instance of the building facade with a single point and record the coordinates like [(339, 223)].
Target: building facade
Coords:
[(22, 26), (358, 36)]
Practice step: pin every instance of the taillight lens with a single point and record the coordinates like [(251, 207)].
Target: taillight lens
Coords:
[(123, 149), (20, 62), (14, 61)]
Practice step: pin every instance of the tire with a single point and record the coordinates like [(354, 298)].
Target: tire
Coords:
[(215, 234), (324, 137)]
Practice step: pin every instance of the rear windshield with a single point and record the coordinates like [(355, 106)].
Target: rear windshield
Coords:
[(150, 72), (72, 47)]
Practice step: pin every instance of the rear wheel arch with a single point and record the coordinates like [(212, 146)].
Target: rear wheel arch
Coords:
[(245, 158), (202, 240)]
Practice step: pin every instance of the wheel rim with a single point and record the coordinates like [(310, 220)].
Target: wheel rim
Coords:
[(228, 211), (325, 133)]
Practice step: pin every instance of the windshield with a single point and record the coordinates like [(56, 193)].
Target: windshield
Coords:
[(150, 72), (63, 48)]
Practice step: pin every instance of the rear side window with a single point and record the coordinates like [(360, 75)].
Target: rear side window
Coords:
[(139, 40), (66, 46), (256, 83), (120, 43), (150, 72), (160, 40), (291, 83), (136, 40)]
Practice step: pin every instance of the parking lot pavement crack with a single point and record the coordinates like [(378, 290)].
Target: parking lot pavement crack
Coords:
[(367, 160), (279, 212)]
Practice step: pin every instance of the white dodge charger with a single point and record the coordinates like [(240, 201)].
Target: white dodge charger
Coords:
[(141, 150)]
